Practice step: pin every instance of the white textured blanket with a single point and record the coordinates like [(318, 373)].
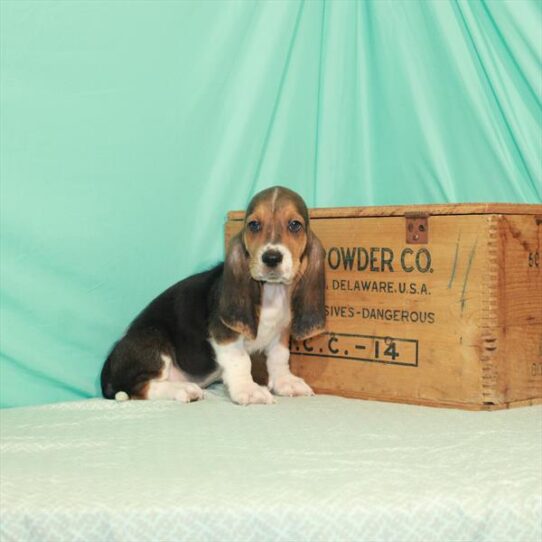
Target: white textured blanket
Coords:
[(316, 469)]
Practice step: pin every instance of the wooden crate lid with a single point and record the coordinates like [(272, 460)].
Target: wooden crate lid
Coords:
[(433, 209)]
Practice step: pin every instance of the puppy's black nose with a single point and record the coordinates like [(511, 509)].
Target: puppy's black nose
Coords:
[(271, 258)]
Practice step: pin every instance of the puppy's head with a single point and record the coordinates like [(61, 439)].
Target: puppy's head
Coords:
[(275, 235), (276, 245)]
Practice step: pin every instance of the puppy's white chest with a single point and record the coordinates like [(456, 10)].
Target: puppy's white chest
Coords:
[(274, 316)]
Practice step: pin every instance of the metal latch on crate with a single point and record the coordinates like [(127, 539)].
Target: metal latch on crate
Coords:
[(417, 228)]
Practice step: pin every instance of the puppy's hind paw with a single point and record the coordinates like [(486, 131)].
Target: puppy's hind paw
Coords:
[(188, 392)]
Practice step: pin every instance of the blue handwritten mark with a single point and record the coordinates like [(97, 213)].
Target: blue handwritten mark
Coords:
[(471, 257), (454, 265)]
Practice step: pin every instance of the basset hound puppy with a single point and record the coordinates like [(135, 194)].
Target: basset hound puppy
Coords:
[(204, 328)]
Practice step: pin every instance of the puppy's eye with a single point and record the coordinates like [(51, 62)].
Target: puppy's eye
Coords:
[(295, 226), (254, 226)]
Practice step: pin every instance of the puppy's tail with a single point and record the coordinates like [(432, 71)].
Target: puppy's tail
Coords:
[(108, 390)]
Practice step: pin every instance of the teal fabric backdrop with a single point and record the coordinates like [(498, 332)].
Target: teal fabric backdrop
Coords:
[(129, 129)]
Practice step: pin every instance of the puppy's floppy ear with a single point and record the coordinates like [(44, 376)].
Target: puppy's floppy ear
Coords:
[(238, 306), (308, 298)]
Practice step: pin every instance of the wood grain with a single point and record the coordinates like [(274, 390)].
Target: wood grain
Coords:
[(432, 209)]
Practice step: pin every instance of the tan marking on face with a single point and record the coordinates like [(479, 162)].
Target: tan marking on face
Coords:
[(294, 241)]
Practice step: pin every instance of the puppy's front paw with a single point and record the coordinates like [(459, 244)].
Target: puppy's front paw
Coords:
[(290, 386), (250, 393)]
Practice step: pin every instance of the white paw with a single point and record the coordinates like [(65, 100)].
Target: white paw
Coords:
[(290, 386), (250, 393), (188, 392)]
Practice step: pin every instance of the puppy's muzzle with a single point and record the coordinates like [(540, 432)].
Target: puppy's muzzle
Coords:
[(272, 258)]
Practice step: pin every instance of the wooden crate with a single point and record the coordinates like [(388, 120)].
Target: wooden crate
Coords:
[(437, 305)]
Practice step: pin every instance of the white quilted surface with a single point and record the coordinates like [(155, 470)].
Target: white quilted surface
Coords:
[(317, 469)]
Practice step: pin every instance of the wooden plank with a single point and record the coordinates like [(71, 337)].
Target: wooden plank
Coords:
[(520, 308), (259, 373), (438, 404), (433, 209)]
